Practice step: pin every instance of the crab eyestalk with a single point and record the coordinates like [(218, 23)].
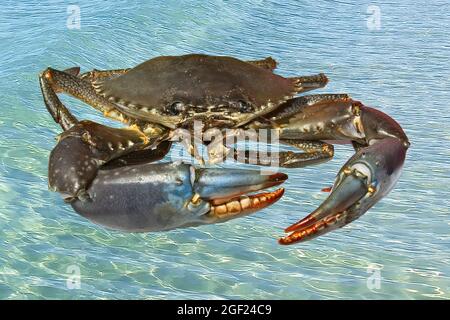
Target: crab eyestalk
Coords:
[(365, 179)]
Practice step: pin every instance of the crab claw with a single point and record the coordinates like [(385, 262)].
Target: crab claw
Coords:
[(366, 178), (163, 196)]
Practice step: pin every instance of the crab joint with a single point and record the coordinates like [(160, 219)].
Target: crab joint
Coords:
[(114, 114), (86, 137), (347, 171), (195, 199), (48, 74), (328, 149), (356, 108)]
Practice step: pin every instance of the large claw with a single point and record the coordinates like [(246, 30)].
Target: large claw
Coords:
[(163, 196), (108, 176), (366, 178)]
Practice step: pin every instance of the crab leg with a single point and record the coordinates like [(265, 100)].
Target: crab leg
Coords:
[(368, 176), (102, 74), (268, 63), (365, 179), (315, 152), (54, 81), (59, 112), (308, 83), (308, 136)]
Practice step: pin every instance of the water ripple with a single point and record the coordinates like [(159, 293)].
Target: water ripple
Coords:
[(401, 69)]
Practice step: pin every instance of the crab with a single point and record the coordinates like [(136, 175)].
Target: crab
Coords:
[(162, 99)]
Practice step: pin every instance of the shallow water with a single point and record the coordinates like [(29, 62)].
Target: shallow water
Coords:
[(402, 68)]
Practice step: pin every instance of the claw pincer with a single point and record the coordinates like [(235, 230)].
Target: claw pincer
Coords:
[(164, 196), (368, 176), (84, 167)]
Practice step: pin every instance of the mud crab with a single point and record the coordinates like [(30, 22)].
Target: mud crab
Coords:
[(99, 169)]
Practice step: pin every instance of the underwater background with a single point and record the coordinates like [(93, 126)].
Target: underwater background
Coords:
[(393, 55)]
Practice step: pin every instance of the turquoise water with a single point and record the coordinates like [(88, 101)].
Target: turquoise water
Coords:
[(400, 66)]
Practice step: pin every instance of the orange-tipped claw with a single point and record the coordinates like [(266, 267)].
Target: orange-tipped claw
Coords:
[(244, 205), (365, 179), (328, 216), (310, 230), (302, 223)]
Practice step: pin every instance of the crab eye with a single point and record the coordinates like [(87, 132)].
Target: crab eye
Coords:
[(175, 108), (244, 106)]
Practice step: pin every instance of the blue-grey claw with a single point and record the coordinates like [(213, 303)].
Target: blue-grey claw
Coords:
[(367, 177), (163, 196)]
